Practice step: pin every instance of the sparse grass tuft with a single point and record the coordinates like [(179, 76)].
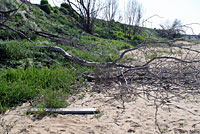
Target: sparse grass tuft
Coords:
[(152, 56)]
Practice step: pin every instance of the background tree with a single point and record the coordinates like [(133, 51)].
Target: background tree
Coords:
[(45, 6), (133, 15), (87, 11), (110, 10), (173, 30)]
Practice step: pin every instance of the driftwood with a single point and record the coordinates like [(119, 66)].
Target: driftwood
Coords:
[(65, 110)]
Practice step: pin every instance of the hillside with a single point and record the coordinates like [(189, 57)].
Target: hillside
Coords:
[(22, 62)]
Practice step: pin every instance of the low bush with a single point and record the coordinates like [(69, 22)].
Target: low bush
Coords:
[(56, 9), (46, 8), (65, 5), (65, 11), (43, 2), (19, 85)]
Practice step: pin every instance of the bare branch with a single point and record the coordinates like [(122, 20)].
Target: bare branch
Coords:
[(114, 62), (14, 30)]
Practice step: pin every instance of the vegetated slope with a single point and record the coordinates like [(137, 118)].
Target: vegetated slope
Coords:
[(28, 72), (62, 21), (31, 17)]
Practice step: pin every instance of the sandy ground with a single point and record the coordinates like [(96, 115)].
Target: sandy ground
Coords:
[(137, 116), (118, 116)]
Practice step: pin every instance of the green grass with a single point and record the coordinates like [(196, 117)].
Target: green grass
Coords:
[(152, 56), (51, 85), (24, 75)]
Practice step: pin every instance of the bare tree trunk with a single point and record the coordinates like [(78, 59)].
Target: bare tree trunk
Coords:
[(133, 15), (109, 12), (87, 11)]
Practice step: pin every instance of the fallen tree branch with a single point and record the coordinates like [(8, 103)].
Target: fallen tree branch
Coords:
[(76, 59), (14, 30), (8, 12), (113, 63)]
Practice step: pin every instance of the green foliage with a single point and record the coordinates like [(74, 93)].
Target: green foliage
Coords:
[(65, 5), (19, 54), (99, 115), (65, 11), (68, 10), (117, 31), (46, 8), (44, 2), (117, 35), (18, 85), (152, 56), (26, 74), (137, 39), (14, 50), (51, 99), (3, 34), (56, 10), (101, 32), (48, 85)]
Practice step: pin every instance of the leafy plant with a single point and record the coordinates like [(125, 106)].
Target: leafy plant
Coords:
[(153, 56), (51, 99), (46, 8), (43, 2), (18, 85)]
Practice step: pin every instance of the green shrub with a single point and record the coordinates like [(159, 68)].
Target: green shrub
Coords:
[(14, 50), (3, 34), (152, 56), (68, 10), (44, 2), (62, 19), (56, 9), (117, 35), (18, 85), (65, 11), (46, 8), (137, 39), (52, 99), (68, 7), (65, 5)]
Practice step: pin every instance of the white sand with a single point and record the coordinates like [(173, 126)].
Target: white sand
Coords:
[(138, 117)]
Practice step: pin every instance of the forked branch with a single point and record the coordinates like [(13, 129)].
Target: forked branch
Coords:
[(114, 62)]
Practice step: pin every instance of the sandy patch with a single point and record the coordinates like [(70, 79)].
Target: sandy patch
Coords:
[(135, 116)]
